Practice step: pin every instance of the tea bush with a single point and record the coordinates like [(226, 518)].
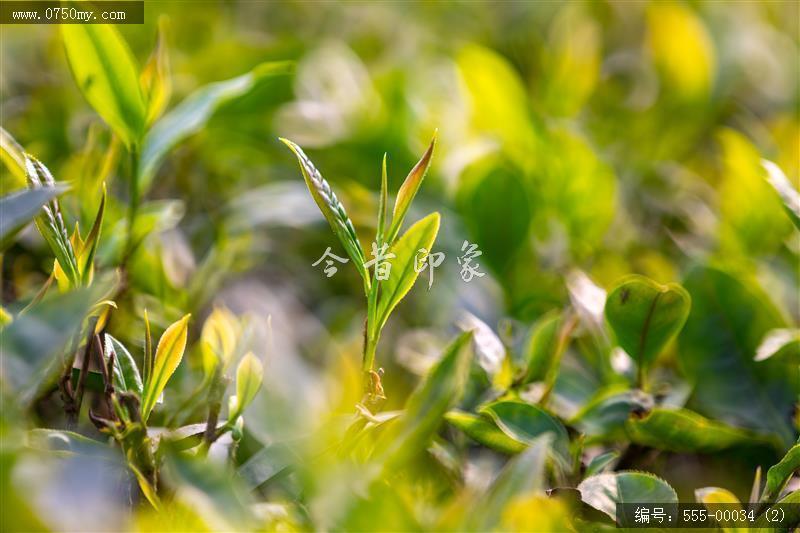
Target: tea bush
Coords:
[(561, 272)]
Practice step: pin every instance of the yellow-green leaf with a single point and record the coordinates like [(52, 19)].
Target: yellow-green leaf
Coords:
[(106, 73), (218, 339), (408, 190), (155, 80), (249, 375), (168, 356), (403, 273)]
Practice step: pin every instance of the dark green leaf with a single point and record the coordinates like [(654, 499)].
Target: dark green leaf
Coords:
[(779, 475), (19, 208)]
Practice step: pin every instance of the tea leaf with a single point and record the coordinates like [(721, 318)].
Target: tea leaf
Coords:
[(63, 442), (192, 114), (601, 463), (169, 353), (408, 190), (525, 423), (331, 208), (483, 430), (86, 256), (403, 273), (106, 73), (728, 320), (646, 315), (434, 396), (249, 375), (51, 222), (682, 430), (785, 189), (155, 79), (13, 156), (525, 474), (715, 495), (218, 340), (20, 207), (779, 474), (605, 491), (780, 345), (383, 203), (126, 373), (605, 415)]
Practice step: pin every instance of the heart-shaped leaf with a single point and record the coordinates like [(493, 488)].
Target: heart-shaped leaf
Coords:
[(106, 73), (646, 315), (169, 353), (404, 272), (605, 491)]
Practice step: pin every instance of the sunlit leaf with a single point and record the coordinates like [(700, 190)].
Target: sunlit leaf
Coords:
[(13, 157), (404, 271), (408, 190), (605, 491), (188, 117), (155, 78), (218, 340), (714, 496), (169, 353), (106, 73), (785, 189), (383, 204), (645, 316), (249, 375)]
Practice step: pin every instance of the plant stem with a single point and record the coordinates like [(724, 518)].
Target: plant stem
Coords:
[(133, 205)]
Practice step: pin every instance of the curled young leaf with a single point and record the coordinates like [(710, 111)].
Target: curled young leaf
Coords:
[(331, 208), (218, 339), (249, 375), (169, 353), (408, 190)]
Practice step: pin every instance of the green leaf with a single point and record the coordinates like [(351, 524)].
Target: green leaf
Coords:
[(155, 79), (779, 474), (63, 442), (780, 345), (13, 156), (249, 375), (169, 353), (383, 204), (728, 320), (425, 409), (483, 430), (646, 315), (601, 463), (20, 207), (403, 274), (525, 422), (603, 418), (126, 373), (86, 257), (218, 340), (192, 114), (605, 491), (525, 474), (540, 352), (268, 462), (408, 190), (106, 73), (682, 430), (331, 208), (50, 221)]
